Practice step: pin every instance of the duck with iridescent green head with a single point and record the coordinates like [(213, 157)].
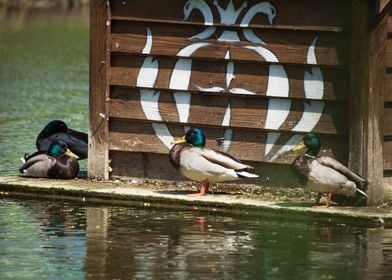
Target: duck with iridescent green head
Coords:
[(327, 175), (57, 130), (198, 163), (58, 162)]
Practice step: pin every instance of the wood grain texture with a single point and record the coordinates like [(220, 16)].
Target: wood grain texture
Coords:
[(247, 144), (290, 47), (366, 106), (245, 112), (98, 91), (387, 153), (388, 120), (303, 14), (205, 74), (388, 86)]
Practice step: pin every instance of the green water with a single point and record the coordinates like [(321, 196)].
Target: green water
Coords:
[(62, 240), (43, 76)]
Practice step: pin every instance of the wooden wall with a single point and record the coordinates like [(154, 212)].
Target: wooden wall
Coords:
[(258, 73), (388, 98)]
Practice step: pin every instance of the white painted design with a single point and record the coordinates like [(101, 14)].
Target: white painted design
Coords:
[(242, 91), (278, 83), (230, 14), (262, 7), (181, 74), (227, 116), (314, 89), (200, 5), (189, 50), (294, 140), (148, 46), (147, 77), (227, 140), (264, 53), (229, 73), (204, 34), (313, 109), (252, 37), (211, 89), (278, 110), (272, 137), (149, 102), (229, 36), (163, 133), (148, 72), (183, 102)]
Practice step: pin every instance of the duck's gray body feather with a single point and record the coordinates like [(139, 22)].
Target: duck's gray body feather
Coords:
[(203, 164), (327, 175), (38, 166)]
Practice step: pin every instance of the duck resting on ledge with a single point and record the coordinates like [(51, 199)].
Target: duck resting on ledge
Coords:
[(198, 163), (327, 175), (57, 130), (59, 163)]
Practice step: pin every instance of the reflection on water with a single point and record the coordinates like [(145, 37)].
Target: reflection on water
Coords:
[(40, 239), (43, 76)]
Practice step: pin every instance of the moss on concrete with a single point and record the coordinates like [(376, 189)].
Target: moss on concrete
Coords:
[(242, 198)]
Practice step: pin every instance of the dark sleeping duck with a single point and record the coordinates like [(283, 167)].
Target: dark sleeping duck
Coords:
[(59, 163), (204, 165), (57, 130), (327, 175)]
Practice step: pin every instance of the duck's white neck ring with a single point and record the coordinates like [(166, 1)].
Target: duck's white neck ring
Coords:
[(309, 156)]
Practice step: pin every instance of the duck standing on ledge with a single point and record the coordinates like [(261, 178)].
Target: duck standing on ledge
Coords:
[(57, 130), (325, 174), (59, 163), (205, 165)]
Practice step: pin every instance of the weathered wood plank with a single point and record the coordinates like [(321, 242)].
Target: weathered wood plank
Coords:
[(205, 75), (127, 164), (143, 165), (388, 120), (366, 96), (388, 87), (250, 145), (98, 91), (288, 46), (387, 153), (210, 110), (294, 14)]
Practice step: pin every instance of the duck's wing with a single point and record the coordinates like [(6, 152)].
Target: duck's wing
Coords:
[(223, 159), (76, 142), (336, 165), (37, 166)]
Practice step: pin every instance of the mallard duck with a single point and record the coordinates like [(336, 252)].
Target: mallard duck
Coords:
[(205, 165), (59, 162), (57, 130), (325, 174)]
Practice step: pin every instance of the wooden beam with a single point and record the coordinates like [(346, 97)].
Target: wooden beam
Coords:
[(369, 37), (98, 91)]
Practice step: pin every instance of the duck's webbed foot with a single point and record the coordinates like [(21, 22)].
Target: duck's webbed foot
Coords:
[(202, 191), (327, 201)]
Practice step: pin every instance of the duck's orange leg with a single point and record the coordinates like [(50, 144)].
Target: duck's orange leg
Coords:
[(327, 201), (203, 189)]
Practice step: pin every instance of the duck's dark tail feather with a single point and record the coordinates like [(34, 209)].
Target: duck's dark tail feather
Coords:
[(246, 173)]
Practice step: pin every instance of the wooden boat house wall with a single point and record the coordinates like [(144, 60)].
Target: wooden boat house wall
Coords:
[(259, 74)]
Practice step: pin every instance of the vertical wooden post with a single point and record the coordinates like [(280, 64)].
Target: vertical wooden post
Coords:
[(368, 49), (98, 92)]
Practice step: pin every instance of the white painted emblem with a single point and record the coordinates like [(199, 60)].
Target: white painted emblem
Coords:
[(279, 104)]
